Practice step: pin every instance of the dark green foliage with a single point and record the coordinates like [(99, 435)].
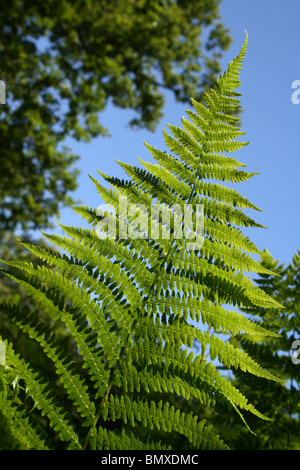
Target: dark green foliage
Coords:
[(280, 402), (64, 61), (139, 307)]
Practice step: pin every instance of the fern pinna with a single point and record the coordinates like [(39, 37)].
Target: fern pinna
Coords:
[(146, 312)]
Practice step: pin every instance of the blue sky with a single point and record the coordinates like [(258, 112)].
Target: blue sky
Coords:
[(271, 120)]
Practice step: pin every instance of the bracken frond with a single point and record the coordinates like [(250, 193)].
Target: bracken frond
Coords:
[(148, 292)]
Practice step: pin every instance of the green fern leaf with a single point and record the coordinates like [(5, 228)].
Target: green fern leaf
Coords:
[(140, 303)]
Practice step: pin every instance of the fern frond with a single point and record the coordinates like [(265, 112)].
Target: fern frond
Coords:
[(163, 417), (138, 300), (40, 392), (21, 428), (114, 440), (59, 308), (73, 383)]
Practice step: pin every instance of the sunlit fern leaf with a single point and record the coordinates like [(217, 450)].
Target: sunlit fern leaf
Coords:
[(146, 311)]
